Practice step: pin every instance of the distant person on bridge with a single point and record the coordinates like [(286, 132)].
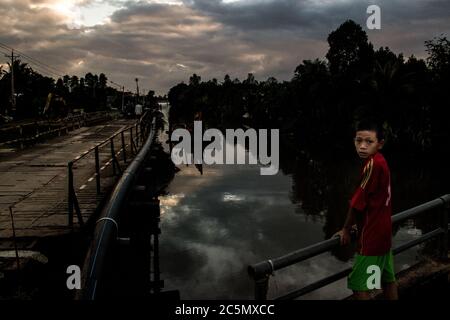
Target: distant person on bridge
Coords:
[(370, 214)]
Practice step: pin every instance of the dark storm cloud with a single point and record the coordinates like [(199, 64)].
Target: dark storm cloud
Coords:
[(260, 14), (171, 35), (319, 17), (164, 44), (303, 13), (141, 9)]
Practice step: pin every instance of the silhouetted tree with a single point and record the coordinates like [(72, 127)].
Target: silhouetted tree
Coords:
[(350, 52)]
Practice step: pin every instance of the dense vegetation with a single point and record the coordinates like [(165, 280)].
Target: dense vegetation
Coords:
[(324, 98), (90, 93)]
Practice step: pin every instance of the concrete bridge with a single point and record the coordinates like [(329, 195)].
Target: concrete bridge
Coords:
[(41, 187)]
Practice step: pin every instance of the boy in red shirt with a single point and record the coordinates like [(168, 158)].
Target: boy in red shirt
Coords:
[(370, 209)]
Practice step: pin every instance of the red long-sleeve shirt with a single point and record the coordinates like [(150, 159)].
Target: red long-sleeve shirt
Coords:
[(372, 199)]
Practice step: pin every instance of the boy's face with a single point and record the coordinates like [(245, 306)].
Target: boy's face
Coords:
[(367, 143)]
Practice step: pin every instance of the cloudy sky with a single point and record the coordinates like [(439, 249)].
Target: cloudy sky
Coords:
[(163, 42)]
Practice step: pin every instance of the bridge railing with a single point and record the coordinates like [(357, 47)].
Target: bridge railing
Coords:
[(30, 132), (136, 134), (107, 227), (261, 272)]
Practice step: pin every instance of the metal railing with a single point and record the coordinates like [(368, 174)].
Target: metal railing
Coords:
[(261, 272), (32, 131), (107, 226), (135, 142)]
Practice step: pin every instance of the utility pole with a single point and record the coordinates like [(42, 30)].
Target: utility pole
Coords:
[(13, 94), (123, 93), (123, 97), (137, 88)]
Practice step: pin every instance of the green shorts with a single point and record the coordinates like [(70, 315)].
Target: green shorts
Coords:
[(369, 272)]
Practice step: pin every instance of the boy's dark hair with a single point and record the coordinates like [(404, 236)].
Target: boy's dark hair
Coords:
[(370, 125)]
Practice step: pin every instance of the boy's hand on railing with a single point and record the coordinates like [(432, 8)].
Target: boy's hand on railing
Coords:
[(344, 235)]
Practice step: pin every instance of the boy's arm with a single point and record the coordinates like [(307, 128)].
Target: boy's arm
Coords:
[(351, 218), (359, 199), (358, 203), (344, 233)]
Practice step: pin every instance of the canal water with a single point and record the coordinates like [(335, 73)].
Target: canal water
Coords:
[(215, 224)]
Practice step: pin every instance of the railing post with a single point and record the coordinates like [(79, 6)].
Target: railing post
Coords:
[(70, 193), (137, 136), (113, 156), (133, 147), (21, 136), (261, 288), (142, 128), (157, 283), (123, 147), (445, 211), (97, 170), (156, 271)]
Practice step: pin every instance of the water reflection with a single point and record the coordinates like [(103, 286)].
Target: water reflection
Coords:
[(232, 197), (223, 223)]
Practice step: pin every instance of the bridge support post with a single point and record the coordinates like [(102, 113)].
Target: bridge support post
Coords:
[(261, 288), (445, 212), (70, 193), (21, 136), (113, 156), (97, 170), (140, 244), (137, 135), (157, 284), (132, 145), (72, 201), (124, 151)]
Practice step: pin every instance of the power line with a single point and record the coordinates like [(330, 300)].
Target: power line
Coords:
[(123, 92), (44, 72), (36, 68), (47, 72), (50, 69), (120, 86), (34, 61), (4, 46), (59, 75), (5, 52), (45, 68)]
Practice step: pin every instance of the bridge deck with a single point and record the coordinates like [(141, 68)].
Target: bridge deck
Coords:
[(34, 181)]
